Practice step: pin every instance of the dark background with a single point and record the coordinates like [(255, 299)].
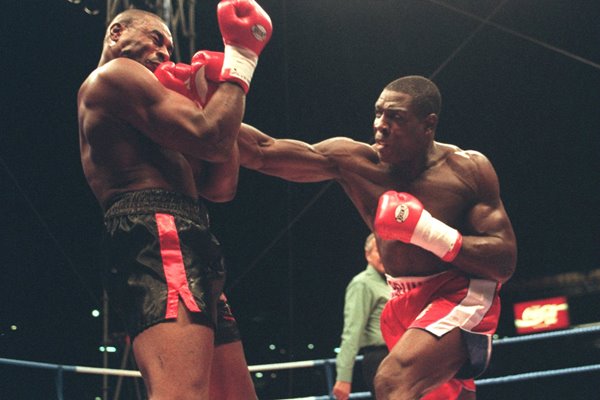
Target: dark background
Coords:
[(524, 89)]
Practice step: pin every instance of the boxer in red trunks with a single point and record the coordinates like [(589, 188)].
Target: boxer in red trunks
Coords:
[(443, 233), (439, 304), (149, 156)]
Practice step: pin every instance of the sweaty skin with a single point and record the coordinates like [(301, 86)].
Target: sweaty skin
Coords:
[(136, 134), (458, 187)]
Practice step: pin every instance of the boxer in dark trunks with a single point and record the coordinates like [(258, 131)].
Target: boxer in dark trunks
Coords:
[(441, 230), (149, 155), (161, 252)]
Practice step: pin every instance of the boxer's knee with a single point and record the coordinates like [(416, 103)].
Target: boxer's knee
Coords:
[(394, 380), (390, 379)]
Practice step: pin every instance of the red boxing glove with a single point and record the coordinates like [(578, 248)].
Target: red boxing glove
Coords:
[(197, 81), (176, 77), (401, 216), (212, 61), (246, 29)]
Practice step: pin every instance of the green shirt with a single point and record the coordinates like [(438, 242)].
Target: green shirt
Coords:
[(366, 295)]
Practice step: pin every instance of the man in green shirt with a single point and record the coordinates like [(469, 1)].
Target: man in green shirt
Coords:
[(366, 295)]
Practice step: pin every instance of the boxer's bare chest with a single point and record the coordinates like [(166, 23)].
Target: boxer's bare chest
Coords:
[(442, 190)]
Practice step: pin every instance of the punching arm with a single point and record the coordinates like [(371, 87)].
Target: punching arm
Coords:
[(298, 161)]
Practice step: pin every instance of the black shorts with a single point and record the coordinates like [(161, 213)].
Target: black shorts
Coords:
[(161, 252)]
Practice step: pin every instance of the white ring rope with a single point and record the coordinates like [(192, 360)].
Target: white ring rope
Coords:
[(331, 362)]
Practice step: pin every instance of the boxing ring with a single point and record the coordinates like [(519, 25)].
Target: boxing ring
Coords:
[(328, 366)]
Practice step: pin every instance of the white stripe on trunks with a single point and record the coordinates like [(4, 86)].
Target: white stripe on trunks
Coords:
[(470, 311)]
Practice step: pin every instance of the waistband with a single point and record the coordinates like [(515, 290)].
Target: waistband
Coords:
[(403, 284), (151, 201)]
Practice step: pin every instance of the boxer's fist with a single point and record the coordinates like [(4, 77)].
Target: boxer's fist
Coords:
[(246, 29), (197, 81), (397, 216), (244, 24), (212, 62), (208, 82), (401, 216), (175, 77)]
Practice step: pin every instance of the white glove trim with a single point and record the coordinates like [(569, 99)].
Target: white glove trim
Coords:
[(239, 63), (434, 235)]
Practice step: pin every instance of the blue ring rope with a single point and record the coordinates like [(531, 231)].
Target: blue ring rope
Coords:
[(547, 335), (538, 374), (480, 382)]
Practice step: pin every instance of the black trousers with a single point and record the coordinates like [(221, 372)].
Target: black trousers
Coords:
[(373, 355)]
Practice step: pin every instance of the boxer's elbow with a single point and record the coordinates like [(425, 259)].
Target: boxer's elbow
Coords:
[(505, 267)]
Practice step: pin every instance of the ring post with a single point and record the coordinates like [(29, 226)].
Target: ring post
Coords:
[(59, 382), (329, 377)]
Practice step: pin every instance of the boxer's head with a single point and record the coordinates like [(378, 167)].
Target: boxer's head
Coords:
[(139, 35)]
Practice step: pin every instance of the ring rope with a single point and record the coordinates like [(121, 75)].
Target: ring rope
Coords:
[(547, 335), (357, 395), (290, 365), (331, 361), (538, 374), (72, 368)]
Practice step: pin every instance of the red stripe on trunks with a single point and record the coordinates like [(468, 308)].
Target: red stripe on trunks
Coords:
[(170, 251)]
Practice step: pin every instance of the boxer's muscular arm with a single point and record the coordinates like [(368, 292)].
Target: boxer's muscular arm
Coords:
[(131, 92), (295, 160), (217, 181), (489, 247)]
